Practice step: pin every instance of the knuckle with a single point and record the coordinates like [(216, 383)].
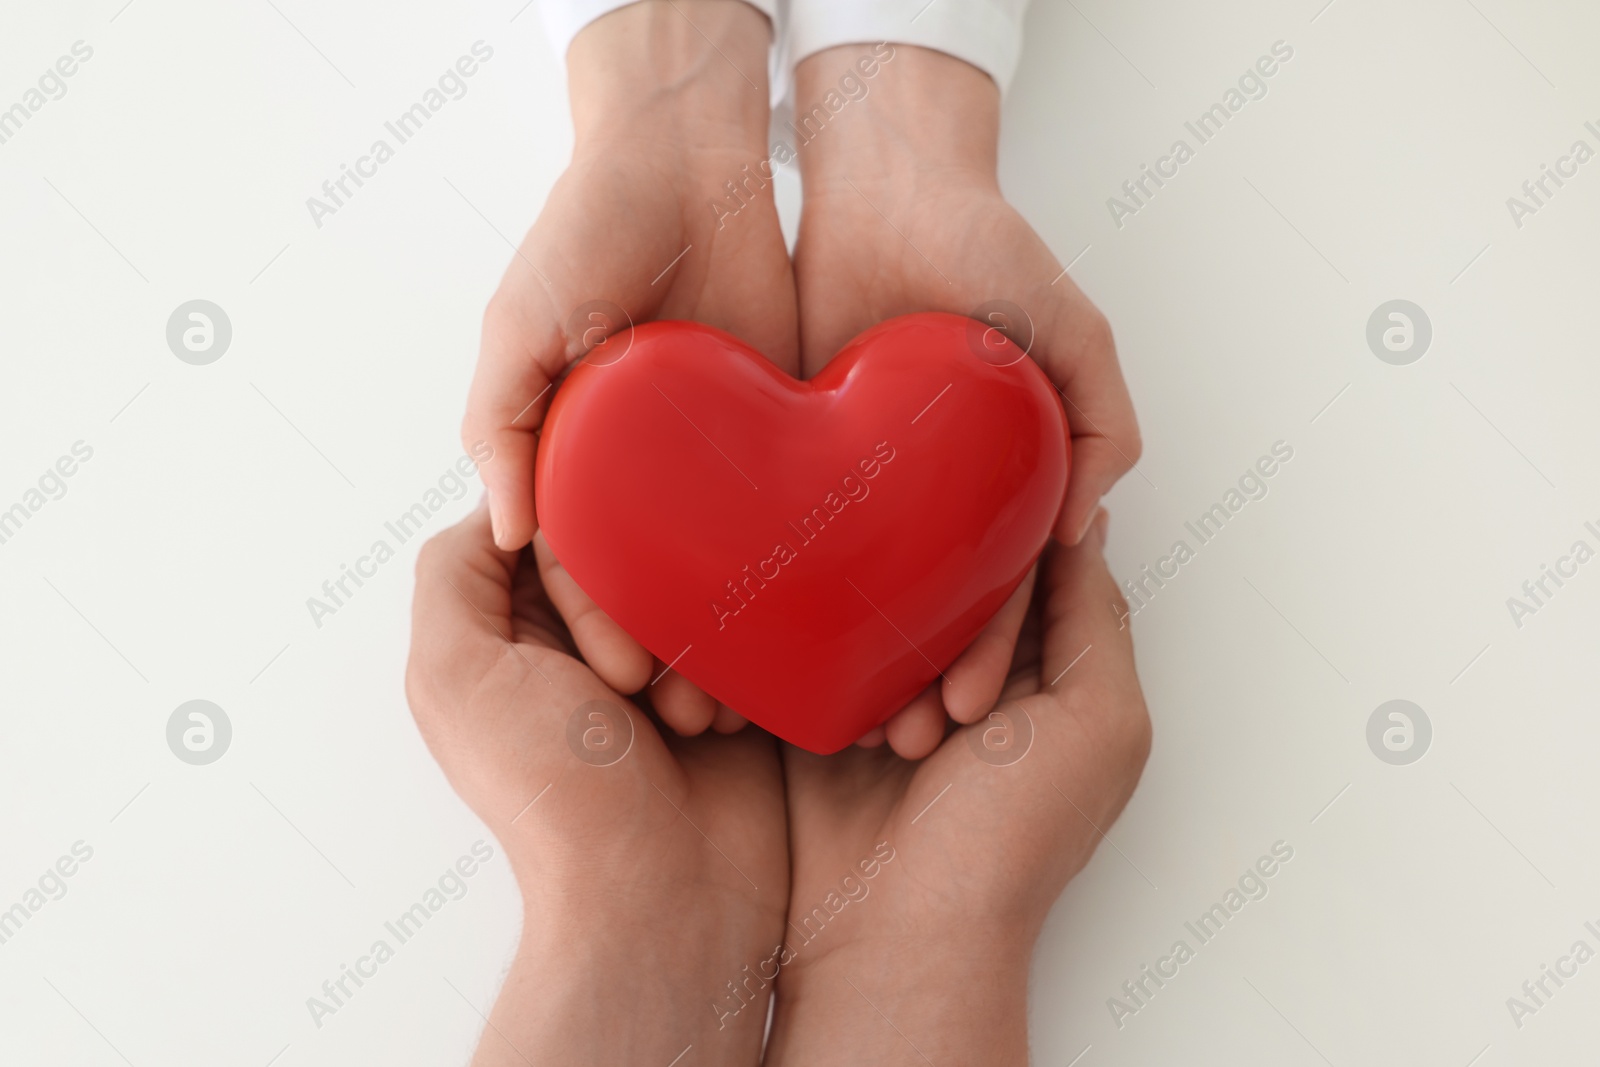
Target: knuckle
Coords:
[(415, 684), (469, 426), (429, 557), (422, 686), (498, 314), (511, 324), (1119, 603), (1132, 441), (1137, 734), (428, 707), (1097, 336)]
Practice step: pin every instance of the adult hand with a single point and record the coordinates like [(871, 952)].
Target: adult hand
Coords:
[(979, 848), (903, 213), (638, 855), (669, 106)]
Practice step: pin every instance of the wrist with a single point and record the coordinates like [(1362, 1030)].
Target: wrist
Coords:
[(834, 1009), (604, 984), (925, 111), (676, 75)]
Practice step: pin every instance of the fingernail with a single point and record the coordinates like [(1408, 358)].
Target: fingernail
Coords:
[(494, 521)]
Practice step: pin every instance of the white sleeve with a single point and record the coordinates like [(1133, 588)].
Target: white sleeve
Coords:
[(564, 18), (985, 33)]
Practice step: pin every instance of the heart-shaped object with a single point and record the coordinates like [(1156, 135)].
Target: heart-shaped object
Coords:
[(812, 554)]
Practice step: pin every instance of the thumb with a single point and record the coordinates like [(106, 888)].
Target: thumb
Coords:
[(528, 343), (1087, 641), (1089, 675)]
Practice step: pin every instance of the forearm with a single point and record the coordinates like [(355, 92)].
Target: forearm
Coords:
[(635, 991), (948, 1003), (924, 111), (666, 76)]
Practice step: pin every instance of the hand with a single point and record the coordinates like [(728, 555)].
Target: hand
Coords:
[(669, 104), (652, 873), (938, 938), (903, 213)]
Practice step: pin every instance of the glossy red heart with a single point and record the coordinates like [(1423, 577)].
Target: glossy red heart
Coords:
[(812, 554)]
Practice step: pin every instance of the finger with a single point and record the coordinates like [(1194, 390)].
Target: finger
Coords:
[(916, 729), (1087, 645), (460, 614), (568, 287), (1029, 652), (619, 660), (873, 738), (522, 351), (1080, 357), (1095, 744), (728, 721), (682, 705), (1097, 463), (972, 683), (464, 582), (533, 618)]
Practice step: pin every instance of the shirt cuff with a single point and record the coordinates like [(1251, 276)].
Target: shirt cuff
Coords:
[(564, 18), (985, 33)]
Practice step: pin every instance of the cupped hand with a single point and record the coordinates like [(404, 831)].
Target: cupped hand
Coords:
[(903, 213), (669, 105), (638, 854), (982, 836)]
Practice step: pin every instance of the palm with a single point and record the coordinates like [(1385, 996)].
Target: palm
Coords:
[(610, 798), (627, 235), (637, 233), (841, 806), (997, 833), (944, 239)]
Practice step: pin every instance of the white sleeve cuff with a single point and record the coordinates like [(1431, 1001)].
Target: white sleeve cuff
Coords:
[(985, 33), (564, 18)]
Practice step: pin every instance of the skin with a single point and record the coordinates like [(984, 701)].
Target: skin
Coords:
[(669, 104), (982, 850), (640, 877), (647, 883), (903, 213)]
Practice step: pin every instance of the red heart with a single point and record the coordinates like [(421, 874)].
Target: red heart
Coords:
[(812, 554)]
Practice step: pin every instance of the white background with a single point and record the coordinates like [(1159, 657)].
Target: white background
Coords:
[(220, 497)]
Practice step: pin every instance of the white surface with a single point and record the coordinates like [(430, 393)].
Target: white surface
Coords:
[(1414, 506)]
